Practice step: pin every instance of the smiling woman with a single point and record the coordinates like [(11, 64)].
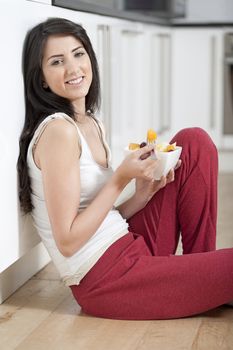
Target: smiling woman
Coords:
[(67, 69), (118, 262)]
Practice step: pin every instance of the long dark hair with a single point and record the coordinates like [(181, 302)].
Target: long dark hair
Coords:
[(41, 102)]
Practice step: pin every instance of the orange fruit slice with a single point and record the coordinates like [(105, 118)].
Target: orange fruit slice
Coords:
[(134, 146), (151, 136), (171, 147)]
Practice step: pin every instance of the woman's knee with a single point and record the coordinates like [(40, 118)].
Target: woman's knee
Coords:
[(195, 138)]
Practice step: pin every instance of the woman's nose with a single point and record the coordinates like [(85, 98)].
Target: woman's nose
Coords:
[(72, 67)]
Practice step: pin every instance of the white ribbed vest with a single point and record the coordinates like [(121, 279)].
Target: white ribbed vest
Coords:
[(92, 177)]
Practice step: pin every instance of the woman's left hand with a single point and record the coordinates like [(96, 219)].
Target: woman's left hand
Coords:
[(146, 189)]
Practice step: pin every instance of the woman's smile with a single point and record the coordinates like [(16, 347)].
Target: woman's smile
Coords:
[(75, 81)]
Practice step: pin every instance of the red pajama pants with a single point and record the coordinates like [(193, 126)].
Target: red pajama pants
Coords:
[(139, 277)]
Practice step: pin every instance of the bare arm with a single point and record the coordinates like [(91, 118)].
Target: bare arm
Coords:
[(58, 154)]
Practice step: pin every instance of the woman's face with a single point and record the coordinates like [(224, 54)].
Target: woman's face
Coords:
[(67, 68)]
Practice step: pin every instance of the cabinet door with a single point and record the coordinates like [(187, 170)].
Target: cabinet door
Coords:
[(227, 140), (130, 87), (197, 80), (104, 55), (160, 81)]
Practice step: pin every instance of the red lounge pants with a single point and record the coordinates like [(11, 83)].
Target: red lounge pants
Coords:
[(139, 277)]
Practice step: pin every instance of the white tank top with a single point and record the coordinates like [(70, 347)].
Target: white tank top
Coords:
[(92, 177)]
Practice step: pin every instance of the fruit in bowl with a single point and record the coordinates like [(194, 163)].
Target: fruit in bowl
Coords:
[(167, 159), (166, 154)]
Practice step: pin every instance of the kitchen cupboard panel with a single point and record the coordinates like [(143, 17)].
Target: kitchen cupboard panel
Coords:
[(197, 80), (104, 60), (141, 92), (160, 81), (128, 73)]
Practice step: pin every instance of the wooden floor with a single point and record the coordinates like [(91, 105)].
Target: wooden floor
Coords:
[(43, 315)]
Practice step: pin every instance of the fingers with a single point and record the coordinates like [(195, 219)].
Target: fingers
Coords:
[(166, 179), (148, 172), (145, 149), (171, 176), (145, 155), (163, 182), (178, 164), (144, 152), (146, 168)]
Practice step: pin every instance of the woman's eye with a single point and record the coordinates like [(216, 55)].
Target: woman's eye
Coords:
[(79, 54), (56, 62)]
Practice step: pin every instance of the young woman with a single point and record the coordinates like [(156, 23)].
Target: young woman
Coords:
[(118, 262)]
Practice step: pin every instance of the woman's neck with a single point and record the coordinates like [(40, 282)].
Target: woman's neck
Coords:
[(80, 110), (81, 118)]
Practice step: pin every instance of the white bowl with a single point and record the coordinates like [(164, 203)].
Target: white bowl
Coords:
[(165, 160)]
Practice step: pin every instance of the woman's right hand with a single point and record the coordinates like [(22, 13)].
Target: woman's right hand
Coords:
[(138, 164)]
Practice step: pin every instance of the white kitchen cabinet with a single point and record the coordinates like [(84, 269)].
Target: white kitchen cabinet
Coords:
[(103, 52), (227, 139), (140, 83), (129, 86), (197, 80), (160, 46)]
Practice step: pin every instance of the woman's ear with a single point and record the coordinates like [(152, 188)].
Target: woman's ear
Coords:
[(44, 85)]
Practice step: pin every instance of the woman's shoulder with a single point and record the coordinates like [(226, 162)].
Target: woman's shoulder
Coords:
[(61, 126), (58, 119), (56, 128)]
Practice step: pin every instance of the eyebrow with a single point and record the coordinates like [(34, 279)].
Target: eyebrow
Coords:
[(61, 55)]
